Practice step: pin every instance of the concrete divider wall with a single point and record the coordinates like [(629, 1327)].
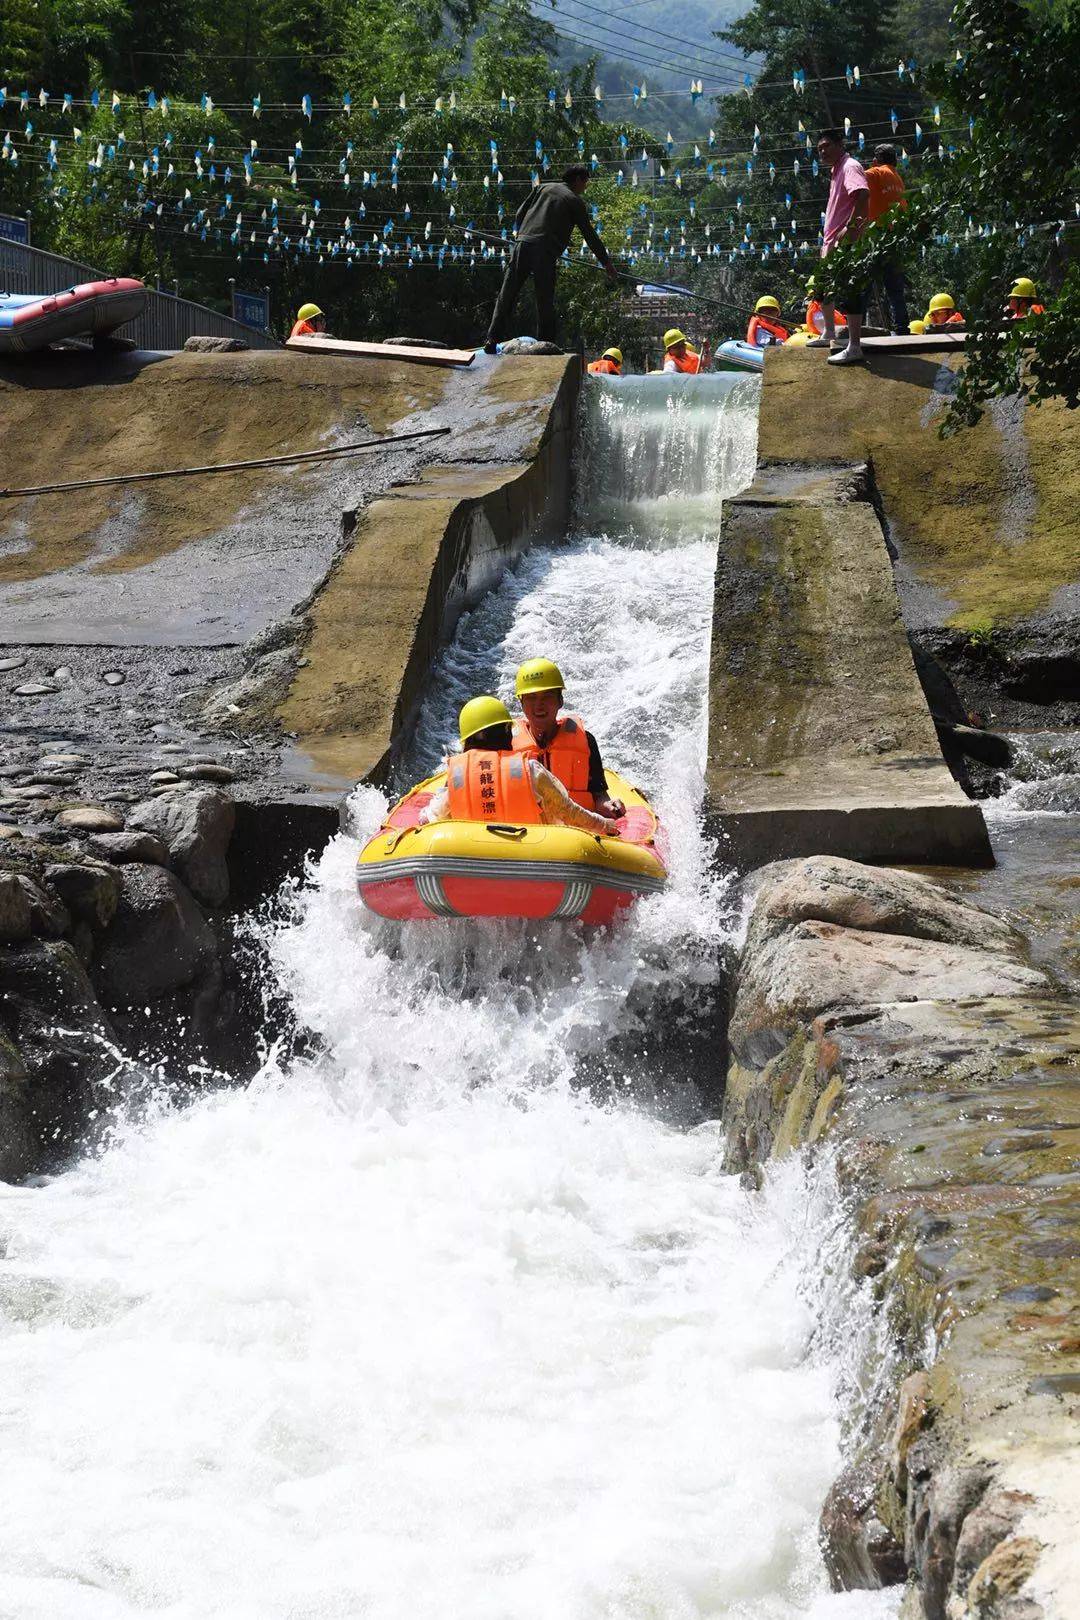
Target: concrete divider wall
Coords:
[(820, 739)]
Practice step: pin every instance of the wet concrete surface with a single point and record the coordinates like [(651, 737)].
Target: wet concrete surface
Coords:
[(123, 611)]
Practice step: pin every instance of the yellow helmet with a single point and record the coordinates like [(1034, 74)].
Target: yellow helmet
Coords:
[(916, 327), (613, 354), (673, 336), (941, 301), (1024, 287), (538, 675), (767, 303), (481, 712), (307, 312)]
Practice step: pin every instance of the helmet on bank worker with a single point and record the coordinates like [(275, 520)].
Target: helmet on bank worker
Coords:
[(917, 327), (673, 336), (613, 354), (768, 302), (480, 713), (940, 301), (308, 312), (538, 675), (1024, 287)]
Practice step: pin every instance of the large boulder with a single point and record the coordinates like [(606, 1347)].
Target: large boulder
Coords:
[(48, 915), (828, 934), (90, 891), (529, 345), (195, 828), (214, 345), (158, 940), (828, 889), (15, 916), (121, 847), (57, 1054)]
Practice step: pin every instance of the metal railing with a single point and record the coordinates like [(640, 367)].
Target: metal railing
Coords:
[(165, 323)]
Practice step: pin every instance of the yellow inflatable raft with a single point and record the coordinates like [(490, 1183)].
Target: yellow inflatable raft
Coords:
[(476, 869)]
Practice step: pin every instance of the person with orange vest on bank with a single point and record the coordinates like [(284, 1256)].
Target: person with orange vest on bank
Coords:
[(679, 353), (310, 322), (887, 191), (560, 741), (1024, 300), (764, 330), (942, 311), (608, 365), (491, 780)]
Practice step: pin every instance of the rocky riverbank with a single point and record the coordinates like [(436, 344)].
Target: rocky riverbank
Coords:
[(902, 1030), (114, 950)]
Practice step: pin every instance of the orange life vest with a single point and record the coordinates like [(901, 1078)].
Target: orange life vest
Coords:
[(490, 785), (1022, 314), (566, 755), (684, 362), (605, 368), (815, 317), (770, 332), (886, 190), (948, 318), (303, 329)]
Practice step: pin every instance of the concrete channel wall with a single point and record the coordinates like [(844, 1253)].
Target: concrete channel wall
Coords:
[(414, 559), (820, 738)]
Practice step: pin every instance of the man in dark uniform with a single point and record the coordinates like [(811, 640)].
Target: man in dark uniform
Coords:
[(545, 223)]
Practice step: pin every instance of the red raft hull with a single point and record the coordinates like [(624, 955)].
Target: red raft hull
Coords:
[(410, 873), (92, 309)]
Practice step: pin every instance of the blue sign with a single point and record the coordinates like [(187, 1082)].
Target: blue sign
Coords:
[(253, 309), (13, 229)]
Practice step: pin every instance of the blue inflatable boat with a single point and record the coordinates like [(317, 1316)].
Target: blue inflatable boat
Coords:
[(737, 356)]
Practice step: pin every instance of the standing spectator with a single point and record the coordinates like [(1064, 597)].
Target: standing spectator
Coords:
[(846, 215), (887, 190), (545, 223)]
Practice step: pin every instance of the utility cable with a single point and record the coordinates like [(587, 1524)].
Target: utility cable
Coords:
[(228, 466)]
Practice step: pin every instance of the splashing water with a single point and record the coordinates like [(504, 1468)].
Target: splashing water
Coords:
[(431, 1324)]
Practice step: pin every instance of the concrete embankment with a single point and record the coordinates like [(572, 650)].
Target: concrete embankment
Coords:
[(877, 1021), (983, 525), (195, 671)]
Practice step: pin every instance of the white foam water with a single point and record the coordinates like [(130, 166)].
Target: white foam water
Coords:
[(457, 1316)]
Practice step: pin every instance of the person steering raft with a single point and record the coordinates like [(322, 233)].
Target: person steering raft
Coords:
[(560, 743), (493, 780)]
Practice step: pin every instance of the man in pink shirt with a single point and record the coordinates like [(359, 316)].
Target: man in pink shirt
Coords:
[(846, 216)]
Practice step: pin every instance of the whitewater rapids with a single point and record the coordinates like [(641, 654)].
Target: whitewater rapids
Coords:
[(456, 1316)]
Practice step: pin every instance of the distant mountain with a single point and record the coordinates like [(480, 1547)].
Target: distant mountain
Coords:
[(665, 43)]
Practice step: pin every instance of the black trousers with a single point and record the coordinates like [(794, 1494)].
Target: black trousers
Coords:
[(529, 258), (895, 283)]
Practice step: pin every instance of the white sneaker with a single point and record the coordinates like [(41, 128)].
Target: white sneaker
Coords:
[(848, 357), (818, 343)]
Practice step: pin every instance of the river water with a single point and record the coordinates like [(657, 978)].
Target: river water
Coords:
[(456, 1314)]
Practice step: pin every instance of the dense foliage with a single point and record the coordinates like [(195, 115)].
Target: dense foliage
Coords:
[(370, 154), (1004, 203)]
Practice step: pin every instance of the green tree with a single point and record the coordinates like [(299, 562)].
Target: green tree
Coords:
[(1007, 197)]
